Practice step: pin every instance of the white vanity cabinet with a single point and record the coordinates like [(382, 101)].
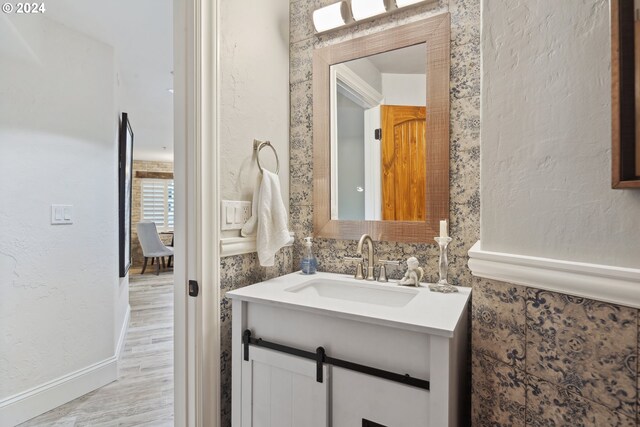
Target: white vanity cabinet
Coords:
[(381, 328)]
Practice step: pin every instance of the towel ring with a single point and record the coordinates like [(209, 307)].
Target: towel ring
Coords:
[(259, 145)]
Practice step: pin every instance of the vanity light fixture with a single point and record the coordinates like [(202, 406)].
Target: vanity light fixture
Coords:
[(404, 3), (329, 17), (363, 9), (347, 13)]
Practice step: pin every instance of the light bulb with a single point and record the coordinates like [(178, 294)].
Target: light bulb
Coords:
[(363, 9), (403, 3), (330, 17)]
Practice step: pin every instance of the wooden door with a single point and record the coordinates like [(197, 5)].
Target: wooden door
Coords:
[(279, 390), (404, 166)]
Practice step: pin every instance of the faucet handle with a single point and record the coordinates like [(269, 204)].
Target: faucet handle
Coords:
[(359, 272), (382, 277)]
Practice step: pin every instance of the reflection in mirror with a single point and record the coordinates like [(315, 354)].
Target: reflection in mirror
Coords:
[(378, 136), (404, 191)]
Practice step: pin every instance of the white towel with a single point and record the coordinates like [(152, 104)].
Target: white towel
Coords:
[(268, 222)]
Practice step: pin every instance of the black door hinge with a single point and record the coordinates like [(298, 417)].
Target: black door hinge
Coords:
[(194, 289), (378, 134)]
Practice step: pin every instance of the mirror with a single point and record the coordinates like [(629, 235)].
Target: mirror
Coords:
[(381, 134), (378, 136), (625, 94)]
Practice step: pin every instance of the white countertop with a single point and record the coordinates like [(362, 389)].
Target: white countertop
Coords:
[(428, 312)]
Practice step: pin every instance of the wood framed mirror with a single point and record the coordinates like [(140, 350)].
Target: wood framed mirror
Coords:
[(625, 93), (381, 134)]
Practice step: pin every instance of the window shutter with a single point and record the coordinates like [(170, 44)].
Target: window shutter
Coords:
[(170, 204), (158, 203)]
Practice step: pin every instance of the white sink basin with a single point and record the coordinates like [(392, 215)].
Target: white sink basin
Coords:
[(340, 295), (358, 292)]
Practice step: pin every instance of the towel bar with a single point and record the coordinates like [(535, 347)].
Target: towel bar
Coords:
[(259, 145)]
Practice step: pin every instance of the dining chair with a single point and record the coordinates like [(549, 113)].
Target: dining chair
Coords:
[(152, 246)]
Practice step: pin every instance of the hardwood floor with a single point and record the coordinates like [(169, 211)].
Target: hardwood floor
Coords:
[(143, 394)]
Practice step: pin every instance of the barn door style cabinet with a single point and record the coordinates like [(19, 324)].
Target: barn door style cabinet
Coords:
[(334, 351)]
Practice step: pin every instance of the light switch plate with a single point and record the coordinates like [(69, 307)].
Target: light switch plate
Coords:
[(238, 215), (230, 214), (234, 214), (61, 214)]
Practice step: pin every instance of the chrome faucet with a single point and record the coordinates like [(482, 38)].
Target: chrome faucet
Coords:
[(370, 260)]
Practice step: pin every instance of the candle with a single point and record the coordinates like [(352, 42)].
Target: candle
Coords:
[(444, 232)]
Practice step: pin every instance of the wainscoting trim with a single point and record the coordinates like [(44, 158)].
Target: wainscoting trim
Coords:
[(45, 397), (241, 245), (594, 281)]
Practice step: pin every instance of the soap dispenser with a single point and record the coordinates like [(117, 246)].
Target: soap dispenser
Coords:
[(309, 263)]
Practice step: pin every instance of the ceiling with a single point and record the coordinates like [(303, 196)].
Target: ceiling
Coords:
[(408, 60), (141, 34)]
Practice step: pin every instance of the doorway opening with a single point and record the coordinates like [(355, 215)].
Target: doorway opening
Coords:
[(94, 346)]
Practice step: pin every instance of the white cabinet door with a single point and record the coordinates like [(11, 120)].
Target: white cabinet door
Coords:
[(279, 390), (357, 397)]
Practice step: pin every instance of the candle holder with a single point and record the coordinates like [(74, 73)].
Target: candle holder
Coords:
[(443, 268)]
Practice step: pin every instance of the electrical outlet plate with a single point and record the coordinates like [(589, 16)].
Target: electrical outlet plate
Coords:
[(234, 214)]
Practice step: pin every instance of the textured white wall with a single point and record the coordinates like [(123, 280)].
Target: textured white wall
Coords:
[(404, 89), (57, 283), (254, 61), (367, 72), (546, 135)]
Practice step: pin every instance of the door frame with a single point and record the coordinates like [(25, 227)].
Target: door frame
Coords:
[(360, 92), (196, 177), (372, 166)]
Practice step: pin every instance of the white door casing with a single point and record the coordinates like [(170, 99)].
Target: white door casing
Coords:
[(196, 323), (372, 168)]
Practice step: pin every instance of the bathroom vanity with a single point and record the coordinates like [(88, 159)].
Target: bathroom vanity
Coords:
[(329, 350)]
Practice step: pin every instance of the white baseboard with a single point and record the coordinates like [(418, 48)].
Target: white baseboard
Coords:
[(45, 397), (42, 398), (606, 283), (123, 333)]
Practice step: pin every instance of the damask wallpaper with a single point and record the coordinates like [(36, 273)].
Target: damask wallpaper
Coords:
[(542, 358)]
